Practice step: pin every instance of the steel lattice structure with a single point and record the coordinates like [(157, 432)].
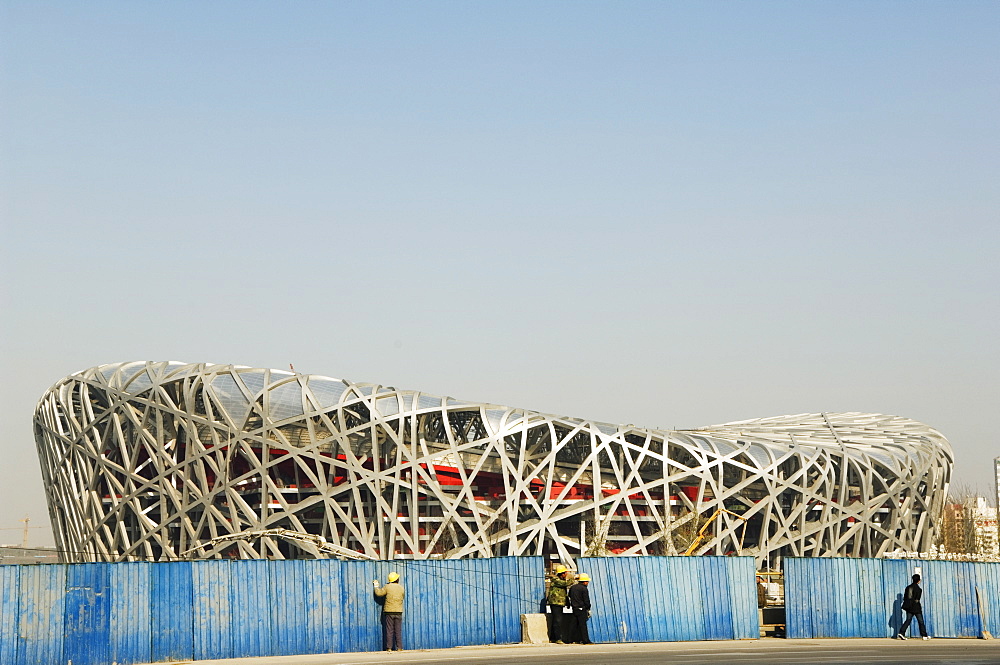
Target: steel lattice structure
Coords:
[(148, 460)]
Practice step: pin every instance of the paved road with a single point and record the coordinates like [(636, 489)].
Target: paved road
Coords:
[(762, 652)]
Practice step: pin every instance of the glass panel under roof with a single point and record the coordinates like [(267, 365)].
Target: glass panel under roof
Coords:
[(285, 401), (254, 380), (494, 417), (155, 369), (514, 417), (702, 443), (327, 392), (429, 402), (230, 396), (140, 383), (387, 406), (108, 372), (131, 370), (178, 370), (405, 399), (278, 375), (759, 453), (881, 457), (724, 447)]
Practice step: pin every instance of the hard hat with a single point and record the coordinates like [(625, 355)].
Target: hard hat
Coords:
[(560, 569), (584, 577), (393, 577)]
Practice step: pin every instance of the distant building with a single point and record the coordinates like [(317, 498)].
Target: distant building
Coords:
[(981, 521), (996, 465), (14, 554), (970, 527)]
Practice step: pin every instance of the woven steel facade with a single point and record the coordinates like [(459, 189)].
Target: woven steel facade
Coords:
[(151, 460)]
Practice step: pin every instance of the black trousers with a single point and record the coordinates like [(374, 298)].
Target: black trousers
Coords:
[(552, 623), (579, 632), (392, 631), (560, 624), (920, 622)]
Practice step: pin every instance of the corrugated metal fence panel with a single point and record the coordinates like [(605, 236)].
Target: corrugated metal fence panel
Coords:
[(612, 619), (304, 607), (873, 620), (716, 599), (249, 606), (988, 581), (798, 599), (87, 614), (289, 609), (681, 595), (358, 608), (323, 583), (171, 605), (672, 598), (130, 629), (742, 576), (841, 616), (40, 617), (518, 586), (446, 604), (604, 621), (480, 615), (949, 598), (840, 597), (895, 576), (213, 627), (820, 602), (672, 589), (9, 612), (836, 597)]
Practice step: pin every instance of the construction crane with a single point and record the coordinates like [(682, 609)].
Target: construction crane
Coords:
[(24, 539), (297, 537), (702, 533)]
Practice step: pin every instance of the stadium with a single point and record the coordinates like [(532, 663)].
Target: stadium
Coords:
[(150, 461)]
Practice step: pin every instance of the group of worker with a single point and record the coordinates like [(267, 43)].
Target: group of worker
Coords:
[(567, 607)]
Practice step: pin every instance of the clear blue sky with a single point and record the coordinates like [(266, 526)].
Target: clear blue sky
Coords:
[(667, 214)]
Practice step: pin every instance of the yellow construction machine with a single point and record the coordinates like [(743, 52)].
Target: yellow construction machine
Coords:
[(702, 533)]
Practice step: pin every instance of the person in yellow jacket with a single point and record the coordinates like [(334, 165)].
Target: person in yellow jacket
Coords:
[(392, 612)]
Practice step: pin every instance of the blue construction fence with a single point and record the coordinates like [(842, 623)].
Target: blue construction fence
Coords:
[(672, 599), (125, 613), (103, 613), (100, 613), (841, 597)]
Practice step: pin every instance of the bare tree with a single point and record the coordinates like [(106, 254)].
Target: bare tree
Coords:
[(956, 527)]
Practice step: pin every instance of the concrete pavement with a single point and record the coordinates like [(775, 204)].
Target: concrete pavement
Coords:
[(761, 652)]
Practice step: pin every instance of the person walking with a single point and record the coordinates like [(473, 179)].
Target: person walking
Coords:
[(579, 600), (913, 608), (557, 622), (392, 612)]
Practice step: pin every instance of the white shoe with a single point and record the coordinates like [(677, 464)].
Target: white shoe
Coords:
[(926, 637), (900, 637)]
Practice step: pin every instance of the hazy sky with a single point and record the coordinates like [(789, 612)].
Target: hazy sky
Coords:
[(666, 214)]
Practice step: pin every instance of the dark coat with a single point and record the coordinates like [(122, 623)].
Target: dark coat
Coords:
[(579, 597), (911, 599)]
